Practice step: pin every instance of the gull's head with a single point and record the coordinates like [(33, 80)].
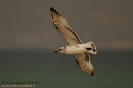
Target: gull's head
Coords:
[(61, 49)]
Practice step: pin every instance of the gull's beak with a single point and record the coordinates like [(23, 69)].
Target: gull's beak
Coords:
[(55, 51)]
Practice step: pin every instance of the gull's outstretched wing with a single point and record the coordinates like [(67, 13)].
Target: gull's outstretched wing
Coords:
[(83, 61), (62, 26)]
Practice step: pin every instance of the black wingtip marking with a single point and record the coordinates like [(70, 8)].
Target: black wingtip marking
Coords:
[(94, 50), (92, 74), (52, 9)]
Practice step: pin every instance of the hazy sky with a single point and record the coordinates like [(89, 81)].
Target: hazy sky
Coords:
[(26, 24)]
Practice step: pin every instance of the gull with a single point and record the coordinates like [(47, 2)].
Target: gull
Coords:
[(74, 44)]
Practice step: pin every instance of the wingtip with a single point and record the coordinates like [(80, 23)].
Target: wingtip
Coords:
[(92, 74), (51, 8)]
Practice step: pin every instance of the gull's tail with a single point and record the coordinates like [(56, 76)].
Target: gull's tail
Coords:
[(91, 48)]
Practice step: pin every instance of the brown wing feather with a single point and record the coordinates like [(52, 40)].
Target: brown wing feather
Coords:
[(83, 61), (62, 26)]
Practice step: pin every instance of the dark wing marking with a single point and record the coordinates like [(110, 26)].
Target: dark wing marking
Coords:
[(83, 61), (62, 26)]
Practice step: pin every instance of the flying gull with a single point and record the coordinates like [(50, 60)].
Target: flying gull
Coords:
[(74, 44)]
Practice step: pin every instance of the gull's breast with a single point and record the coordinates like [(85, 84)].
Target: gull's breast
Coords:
[(74, 49)]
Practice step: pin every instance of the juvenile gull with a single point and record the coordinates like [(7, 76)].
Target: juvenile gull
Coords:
[(74, 44)]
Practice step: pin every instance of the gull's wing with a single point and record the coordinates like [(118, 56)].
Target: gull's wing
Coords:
[(61, 25), (83, 61)]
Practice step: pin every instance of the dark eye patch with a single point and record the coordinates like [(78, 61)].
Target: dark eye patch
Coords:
[(59, 49)]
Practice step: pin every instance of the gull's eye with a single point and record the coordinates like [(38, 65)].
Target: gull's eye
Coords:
[(59, 49)]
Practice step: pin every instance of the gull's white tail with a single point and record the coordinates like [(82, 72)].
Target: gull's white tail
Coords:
[(91, 48)]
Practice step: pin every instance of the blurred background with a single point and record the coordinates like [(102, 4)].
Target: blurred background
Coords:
[(28, 40)]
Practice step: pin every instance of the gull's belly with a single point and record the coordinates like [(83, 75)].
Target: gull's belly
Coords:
[(74, 49)]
